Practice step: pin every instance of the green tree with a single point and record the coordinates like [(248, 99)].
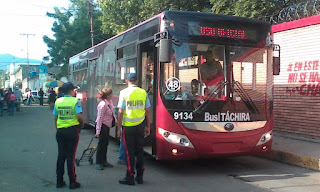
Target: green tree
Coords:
[(3, 77), (259, 9), (119, 15), (72, 32)]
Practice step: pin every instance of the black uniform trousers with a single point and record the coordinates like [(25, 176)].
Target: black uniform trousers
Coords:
[(133, 138), (67, 139), (101, 156)]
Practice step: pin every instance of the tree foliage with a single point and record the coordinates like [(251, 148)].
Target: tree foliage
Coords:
[(119, 15), (259, 9), (72, 31)]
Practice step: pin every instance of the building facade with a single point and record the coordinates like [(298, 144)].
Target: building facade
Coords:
[(297, 88)]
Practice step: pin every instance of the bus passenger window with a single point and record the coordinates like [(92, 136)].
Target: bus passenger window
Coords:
[(120, 53)]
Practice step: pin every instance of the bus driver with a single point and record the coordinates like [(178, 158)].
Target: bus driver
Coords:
[(211, 70)]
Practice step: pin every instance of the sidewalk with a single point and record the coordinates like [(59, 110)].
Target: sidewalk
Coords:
[(296, 152)]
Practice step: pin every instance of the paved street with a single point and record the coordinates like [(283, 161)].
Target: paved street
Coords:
[(29, 151)]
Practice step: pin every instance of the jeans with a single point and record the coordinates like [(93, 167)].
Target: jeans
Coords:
[(17, 105), (11, 107), (122, 152), (28, 101), (1, 107)]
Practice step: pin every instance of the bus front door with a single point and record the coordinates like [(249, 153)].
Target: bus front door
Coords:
[(146, 52)]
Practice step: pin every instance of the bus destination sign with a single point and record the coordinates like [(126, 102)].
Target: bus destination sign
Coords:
[(221, 31)]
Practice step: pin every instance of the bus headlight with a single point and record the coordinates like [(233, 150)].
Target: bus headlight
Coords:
[(175, 138), (265, 138)]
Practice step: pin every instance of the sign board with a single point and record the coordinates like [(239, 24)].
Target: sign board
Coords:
[(42, 77), (42, 69)]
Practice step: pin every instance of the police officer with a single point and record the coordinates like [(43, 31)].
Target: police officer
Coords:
[(134, 108), (68, 120)]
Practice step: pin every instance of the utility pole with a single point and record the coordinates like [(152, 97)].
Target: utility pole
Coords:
[(91, 21), (27, 34)]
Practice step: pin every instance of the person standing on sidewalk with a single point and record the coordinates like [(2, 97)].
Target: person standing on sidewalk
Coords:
[(52, 98), (18, 95), (122, 151), (134, 107), (68, 121), (122, 154), (30, 97), (41, 93), (1, 102), (11, 99), (105, 118)]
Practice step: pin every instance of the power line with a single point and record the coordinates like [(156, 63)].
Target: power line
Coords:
[(25, 15)]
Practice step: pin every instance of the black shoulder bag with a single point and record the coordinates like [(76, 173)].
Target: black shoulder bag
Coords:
[(113, 120)]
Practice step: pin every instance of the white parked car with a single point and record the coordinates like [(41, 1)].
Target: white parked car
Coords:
[(35, 97)]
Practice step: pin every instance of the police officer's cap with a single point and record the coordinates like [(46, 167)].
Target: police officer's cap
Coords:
[(68, 86), (132, 77)]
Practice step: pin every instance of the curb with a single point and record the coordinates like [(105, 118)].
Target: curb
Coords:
[(293, 159)]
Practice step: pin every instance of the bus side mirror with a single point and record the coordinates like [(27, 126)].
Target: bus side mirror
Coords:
[(165, 48), (276, 60)]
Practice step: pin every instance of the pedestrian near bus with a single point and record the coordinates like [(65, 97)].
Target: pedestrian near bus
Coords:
[(52, 98), (41, 93), (68, 121), (11, 99), (18, 95), (104, 121), (134, 119), (122, 153), (29, 97), (1, 102)]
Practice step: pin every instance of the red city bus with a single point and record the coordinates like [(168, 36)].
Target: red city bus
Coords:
[(209, 79)]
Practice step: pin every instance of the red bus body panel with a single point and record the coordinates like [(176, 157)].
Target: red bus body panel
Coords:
[(207, 144)]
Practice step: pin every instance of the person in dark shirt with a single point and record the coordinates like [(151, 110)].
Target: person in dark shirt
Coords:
[(52, 98), (41, 93), (211, 69)]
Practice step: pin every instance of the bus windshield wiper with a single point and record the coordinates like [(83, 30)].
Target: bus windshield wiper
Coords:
[(213, 94), (245, 97)]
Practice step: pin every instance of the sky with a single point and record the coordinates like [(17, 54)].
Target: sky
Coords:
[(26, 17)]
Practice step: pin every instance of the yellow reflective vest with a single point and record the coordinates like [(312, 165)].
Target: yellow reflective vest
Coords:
[(135, 101), (67, 116)]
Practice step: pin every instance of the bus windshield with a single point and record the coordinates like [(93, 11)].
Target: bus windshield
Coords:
[(198, 77), (198, 69)]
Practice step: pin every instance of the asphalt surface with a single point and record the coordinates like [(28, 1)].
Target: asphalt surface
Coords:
[(28, 153)]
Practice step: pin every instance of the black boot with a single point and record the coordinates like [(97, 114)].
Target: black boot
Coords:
[(60, 183), (139, 179), (74, 185), (128, 180)]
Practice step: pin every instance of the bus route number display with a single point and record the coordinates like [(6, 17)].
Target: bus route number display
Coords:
[(173, 84)]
